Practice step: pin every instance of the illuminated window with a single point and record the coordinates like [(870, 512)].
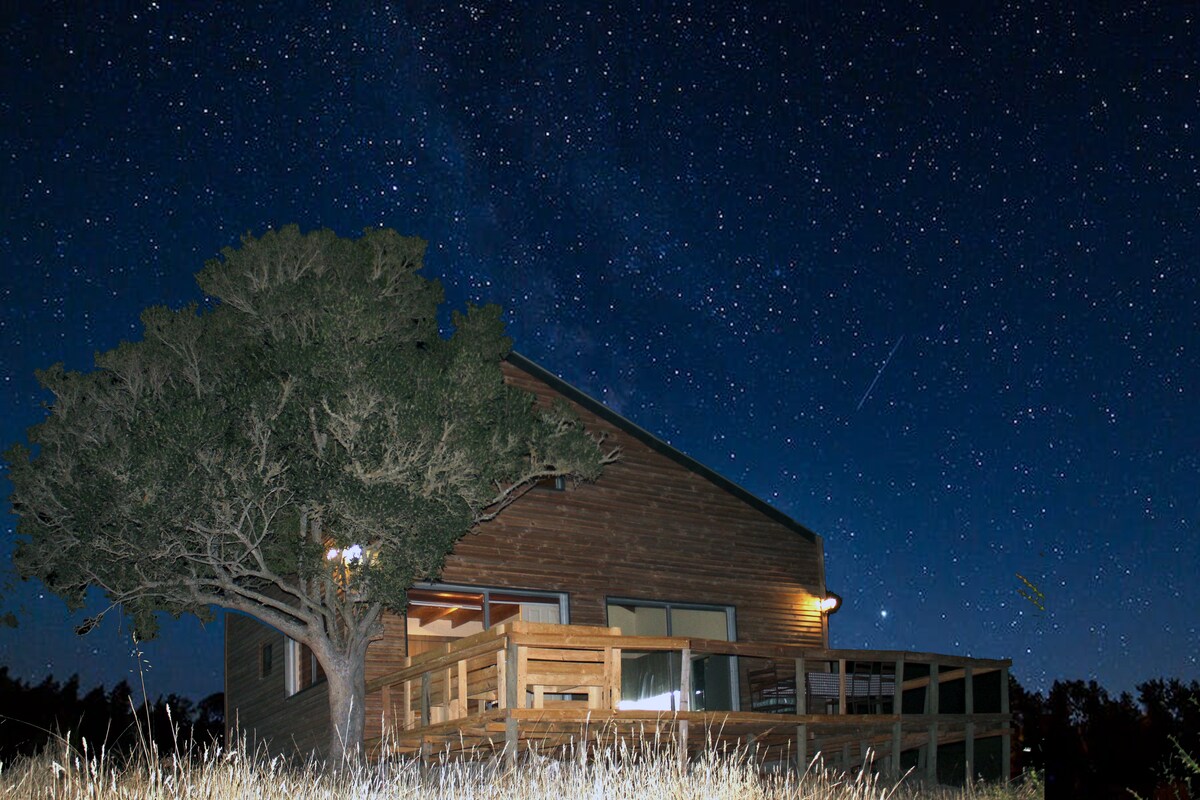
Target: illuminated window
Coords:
[(650, 680), (439, 613)]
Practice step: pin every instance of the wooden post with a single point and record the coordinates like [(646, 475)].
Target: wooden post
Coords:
[(898, 710), (933, 692), (801, 747), (841, 686), (969, 688), (425, 702), (613, 695), (522, 673), (685, 704), (426, 756), (409, 724), (501, 680), (463, 694), (514, 692), (1006, 736), (801, 687)]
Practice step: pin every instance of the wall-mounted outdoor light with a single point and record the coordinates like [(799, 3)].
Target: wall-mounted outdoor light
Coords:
[(831, 603)]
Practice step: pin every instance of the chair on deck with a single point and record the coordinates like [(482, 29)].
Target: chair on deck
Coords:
[(771, 692), (869, 687)]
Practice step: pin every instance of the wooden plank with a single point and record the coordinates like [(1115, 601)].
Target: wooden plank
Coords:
[(685, 704), (426, 704), (933, 695), (841, 686), (572, 640), (463, 692), (613, 667), (522, 676), (501, 679), (436, 660), (801, 687), (896, 749), (932, 754), (970, 752), (898, 710), (408, 709), (1006, 736), (949, 675)]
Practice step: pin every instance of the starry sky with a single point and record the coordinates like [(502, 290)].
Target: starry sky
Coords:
[(923, 277)]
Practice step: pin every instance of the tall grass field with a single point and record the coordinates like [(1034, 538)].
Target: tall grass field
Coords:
[(617, 772)]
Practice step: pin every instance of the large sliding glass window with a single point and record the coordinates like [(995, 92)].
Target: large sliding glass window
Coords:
[(650, 680), (441, 613)]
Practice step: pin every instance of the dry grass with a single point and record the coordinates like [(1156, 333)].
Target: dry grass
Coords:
[(616, 773)]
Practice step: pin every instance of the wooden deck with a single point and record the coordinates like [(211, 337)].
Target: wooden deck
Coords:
[(522, 685)]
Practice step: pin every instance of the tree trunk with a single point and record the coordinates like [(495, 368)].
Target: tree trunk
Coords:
[(347, 707)]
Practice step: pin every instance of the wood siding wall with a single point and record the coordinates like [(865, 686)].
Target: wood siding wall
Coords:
[(649, 529), (259, 706)]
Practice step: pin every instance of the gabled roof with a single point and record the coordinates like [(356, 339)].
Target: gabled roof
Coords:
[(656, 444)]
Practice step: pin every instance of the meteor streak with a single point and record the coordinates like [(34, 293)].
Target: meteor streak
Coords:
[(886, 361)]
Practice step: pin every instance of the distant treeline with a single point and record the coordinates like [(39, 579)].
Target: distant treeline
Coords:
[(1096, 745), (34, 716)]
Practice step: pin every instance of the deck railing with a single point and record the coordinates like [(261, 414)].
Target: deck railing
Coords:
[(526, 671)]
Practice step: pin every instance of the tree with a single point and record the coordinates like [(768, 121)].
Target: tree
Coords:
[(303, 450)]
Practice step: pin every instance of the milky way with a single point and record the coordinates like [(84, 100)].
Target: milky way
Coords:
[(721, 221)]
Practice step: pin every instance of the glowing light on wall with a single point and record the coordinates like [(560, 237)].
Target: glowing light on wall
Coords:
[(831, 603)]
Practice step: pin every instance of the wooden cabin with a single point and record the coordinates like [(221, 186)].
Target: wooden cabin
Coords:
[(662, 599)]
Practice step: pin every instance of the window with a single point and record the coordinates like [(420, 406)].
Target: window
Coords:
[(650, 680), (302, 669), (266, 660), (441, 613)]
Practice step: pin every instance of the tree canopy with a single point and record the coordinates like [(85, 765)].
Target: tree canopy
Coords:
[(303, 450)]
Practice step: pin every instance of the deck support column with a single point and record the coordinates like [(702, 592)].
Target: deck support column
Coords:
[(685, 705), (841, 686), (802, 709), (426, 756), (898, 710), (801, 687), (969, 678), (514, 693), (931, 702), (1006, 736), (425, 701)]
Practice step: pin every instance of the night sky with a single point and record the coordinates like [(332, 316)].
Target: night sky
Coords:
[(924, 279)]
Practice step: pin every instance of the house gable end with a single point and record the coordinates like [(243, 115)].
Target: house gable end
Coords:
[(654, 443)]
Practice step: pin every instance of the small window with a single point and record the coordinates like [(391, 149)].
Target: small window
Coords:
[(266, 660), (558, 483)]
